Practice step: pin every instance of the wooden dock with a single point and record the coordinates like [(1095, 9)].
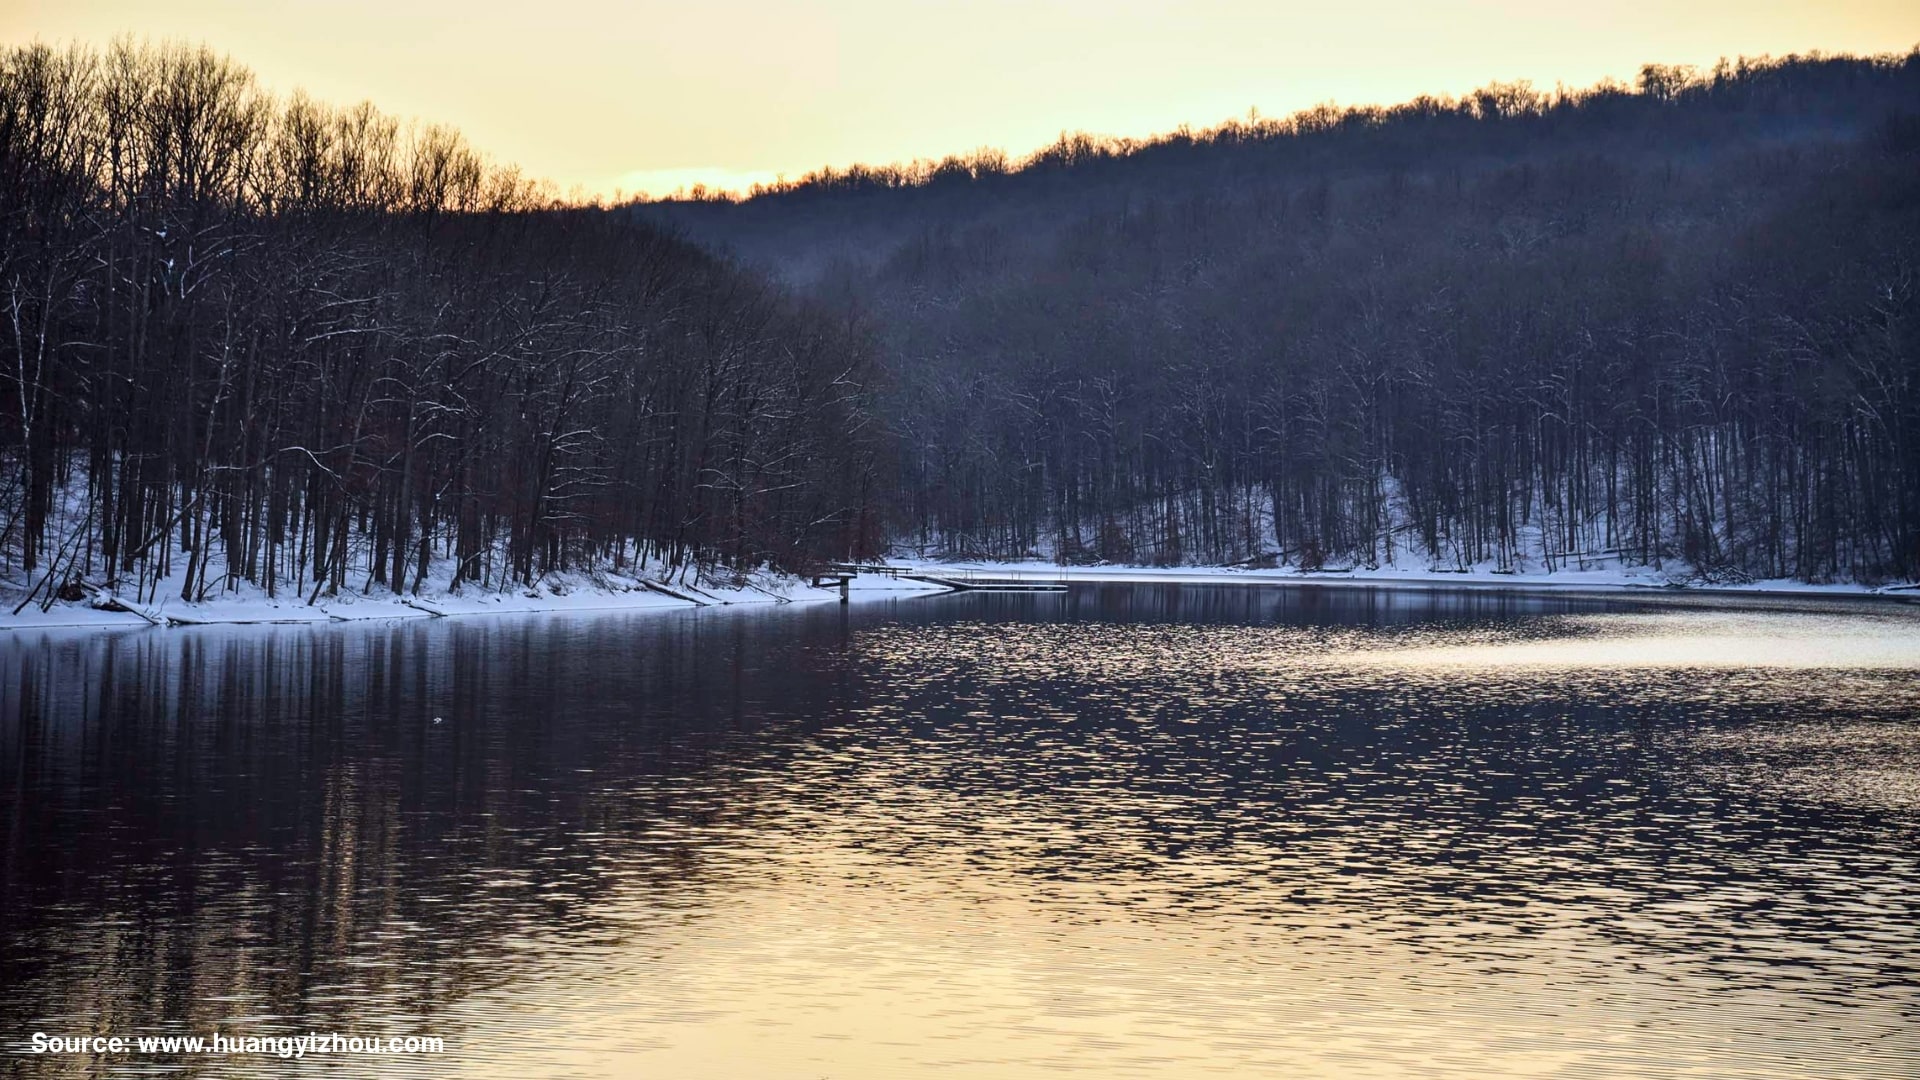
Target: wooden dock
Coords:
[(963, 580)]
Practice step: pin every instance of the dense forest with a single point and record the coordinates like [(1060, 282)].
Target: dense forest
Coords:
[(248, 340), (261, 340), (1670, 324)]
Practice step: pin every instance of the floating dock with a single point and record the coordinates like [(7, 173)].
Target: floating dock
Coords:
[(964, 580)]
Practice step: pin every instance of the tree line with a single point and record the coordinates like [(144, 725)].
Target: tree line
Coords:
[(246, 338), (252, 339), (1672, 323)]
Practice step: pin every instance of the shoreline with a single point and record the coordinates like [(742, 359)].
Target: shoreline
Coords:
[(562, 597), (1613, 582), (629, 595)]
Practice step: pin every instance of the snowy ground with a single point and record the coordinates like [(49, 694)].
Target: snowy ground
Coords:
[(1612, 577), (554, 593), (230, 599), (615, 592)]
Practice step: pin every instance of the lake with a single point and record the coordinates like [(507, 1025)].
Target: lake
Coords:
[(1161, 831)]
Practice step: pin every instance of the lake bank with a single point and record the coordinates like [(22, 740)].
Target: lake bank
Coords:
[(554, 593), (564, 593), (1612, 579)]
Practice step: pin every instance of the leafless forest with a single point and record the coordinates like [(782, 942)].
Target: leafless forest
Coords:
[(256, 339), (272, 341), (1672, 323)]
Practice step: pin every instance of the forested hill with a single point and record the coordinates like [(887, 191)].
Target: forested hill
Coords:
[(1671, 324), (268, 343), (252, 342)]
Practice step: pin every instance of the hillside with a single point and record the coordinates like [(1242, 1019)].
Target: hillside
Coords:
[(1672, 323), (259, 344)]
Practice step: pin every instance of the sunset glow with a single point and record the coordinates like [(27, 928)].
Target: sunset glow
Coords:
[(604, 95)]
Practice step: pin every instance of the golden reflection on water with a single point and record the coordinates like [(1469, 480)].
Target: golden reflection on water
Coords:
[(1079, 909), (1768, 640), (1676, 843)]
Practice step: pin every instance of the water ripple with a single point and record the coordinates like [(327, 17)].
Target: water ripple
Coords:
[(1129, 832)]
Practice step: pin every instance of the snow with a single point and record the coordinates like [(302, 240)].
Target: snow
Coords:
[(227, 598), (555, 593), (644, 586), (560, 593), (650, 588), (1608, 578), (70, 615)]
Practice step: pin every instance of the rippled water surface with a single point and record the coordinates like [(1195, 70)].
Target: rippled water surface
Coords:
[(1133, 831)]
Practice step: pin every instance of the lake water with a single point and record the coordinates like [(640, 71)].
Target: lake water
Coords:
[(1132, 830)]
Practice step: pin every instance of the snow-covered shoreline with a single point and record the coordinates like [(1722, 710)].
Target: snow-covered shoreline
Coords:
[(554, 594), (602, 592), (1614, 578)]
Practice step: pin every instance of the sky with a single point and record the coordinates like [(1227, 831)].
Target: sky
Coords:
[(605, 96)]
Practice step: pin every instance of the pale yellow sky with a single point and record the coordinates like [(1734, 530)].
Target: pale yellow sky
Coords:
[(643, 95)]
